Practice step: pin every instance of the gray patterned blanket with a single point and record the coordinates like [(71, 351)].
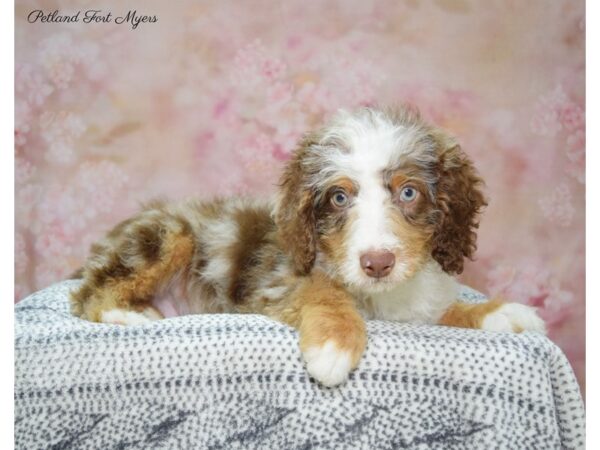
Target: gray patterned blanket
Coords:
[(231, 381)]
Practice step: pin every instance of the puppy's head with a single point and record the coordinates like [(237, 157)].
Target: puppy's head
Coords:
[(374, 195)]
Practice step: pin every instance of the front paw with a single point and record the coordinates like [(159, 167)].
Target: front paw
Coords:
[(513, 317), (333, 337), (328, 364), (330, 356)]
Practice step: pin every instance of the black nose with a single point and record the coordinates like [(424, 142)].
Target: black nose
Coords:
[(377, 264)]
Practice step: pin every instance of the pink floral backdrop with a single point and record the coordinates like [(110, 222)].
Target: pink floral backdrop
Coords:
[(211, 98)]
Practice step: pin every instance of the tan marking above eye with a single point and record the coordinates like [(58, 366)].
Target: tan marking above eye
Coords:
[(346, 185), (397, 180), (401, 180)]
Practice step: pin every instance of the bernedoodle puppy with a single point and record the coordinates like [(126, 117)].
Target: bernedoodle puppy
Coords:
[(375, 213)]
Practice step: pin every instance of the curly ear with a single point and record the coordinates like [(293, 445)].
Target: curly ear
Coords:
[(294, 214), (459, 200)]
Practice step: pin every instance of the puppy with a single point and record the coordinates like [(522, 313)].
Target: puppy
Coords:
[(375, 213)]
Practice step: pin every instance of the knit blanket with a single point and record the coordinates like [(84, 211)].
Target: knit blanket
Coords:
[(237, 381)]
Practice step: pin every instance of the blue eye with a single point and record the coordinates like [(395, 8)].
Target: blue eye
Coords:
[(408, 194), (339, 199)]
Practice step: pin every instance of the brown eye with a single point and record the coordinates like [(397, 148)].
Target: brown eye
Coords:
[(340, 199), (408, 194)]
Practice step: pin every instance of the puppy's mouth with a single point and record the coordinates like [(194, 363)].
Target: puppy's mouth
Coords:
[(382, 278), (377, 285)]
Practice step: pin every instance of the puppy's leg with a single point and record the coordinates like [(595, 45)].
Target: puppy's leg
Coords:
[(332, 332), (129, 266), (494, 316)]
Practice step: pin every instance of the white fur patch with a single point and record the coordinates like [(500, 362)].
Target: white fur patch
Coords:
[(372, 228), (374, 142), (217, 269), (512, 317), (327, 364), (219, 234), (423, 298), (120, 316)]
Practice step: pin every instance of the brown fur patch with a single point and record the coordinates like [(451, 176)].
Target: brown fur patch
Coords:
[(113, 269), (149, 238), (200, 259), (460, 200), (211, 210), (334, 236), (346, 184), (396, 180), (464, 315), (79, 298), (97, 248), (254, 225)]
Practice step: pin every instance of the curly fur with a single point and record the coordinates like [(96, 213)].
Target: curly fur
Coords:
[(460, 200)]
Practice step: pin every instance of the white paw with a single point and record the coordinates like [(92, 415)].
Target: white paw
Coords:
[(120, 316), (327, 364), (514, 317)]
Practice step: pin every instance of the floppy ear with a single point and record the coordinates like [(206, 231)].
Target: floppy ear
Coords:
[(294, 214), (459, 200)]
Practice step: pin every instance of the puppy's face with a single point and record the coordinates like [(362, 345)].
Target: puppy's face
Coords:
[(374, 195)]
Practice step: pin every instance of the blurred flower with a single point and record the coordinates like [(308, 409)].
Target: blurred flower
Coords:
[(572, 117), (439, 105), (61, 230), (92, 192), (60, 131), (24, 171), (278, 95), (27, 199), (315, 98), (22, 124), (576, 146), (546, 119), (62, 54), (30, 86), (252, 65), (558, 206), (87, 54), (354, 81), (56, 55)]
